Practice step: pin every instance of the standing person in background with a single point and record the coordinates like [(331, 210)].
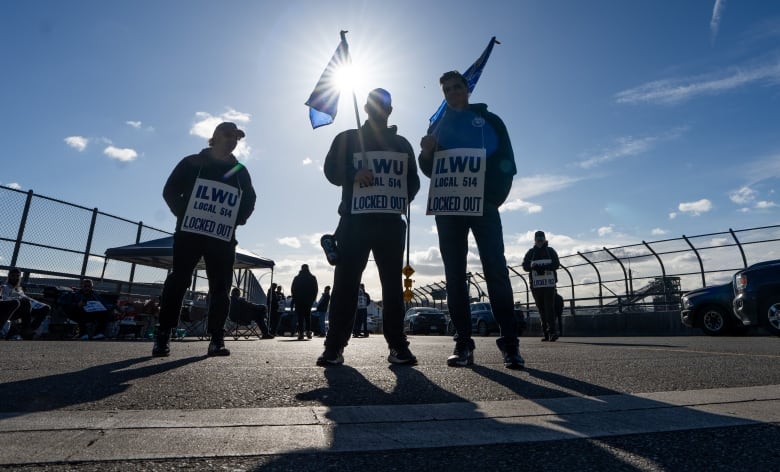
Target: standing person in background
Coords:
[(31, 311), (304, 291), (471, 126), (362, 230), (541, 262), (273, 309), (210, 194), (361, 318), (322, 309)]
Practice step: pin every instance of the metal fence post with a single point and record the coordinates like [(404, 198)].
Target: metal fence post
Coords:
[(22, 224), (598, 274), (88, 248), (701, 264), (739, 245)]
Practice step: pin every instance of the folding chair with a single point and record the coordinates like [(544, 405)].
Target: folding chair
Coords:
[(240, 324), (193, 321)]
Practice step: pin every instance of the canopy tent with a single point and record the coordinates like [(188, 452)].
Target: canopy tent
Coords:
[(159, 253)]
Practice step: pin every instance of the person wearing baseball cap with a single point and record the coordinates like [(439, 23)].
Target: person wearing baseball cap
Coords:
[(369, 228), (210, 193), (541, 262)]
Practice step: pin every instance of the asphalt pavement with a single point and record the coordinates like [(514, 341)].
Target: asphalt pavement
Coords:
[(588, 403)]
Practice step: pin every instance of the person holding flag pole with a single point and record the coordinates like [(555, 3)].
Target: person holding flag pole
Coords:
[(468, 156), (376, 170)]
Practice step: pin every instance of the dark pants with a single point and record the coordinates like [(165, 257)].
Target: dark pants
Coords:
[(357, 237), (303, 310), (219, 256), (453, 244), (545, 302), (99, 320), (361, 322), (273, 320)]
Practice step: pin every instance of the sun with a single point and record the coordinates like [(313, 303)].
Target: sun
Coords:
[(348, 78)]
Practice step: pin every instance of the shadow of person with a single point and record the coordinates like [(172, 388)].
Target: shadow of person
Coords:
[(84, 386)]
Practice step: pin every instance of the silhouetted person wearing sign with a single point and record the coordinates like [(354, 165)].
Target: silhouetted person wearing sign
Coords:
[(471, 126), (363, 230), (210, 193), (541, 262)]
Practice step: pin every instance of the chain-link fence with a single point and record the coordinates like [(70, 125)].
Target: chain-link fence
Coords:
[(648, 276), (58, 243)]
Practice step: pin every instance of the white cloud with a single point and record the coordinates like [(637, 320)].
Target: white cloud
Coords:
[(628, 146), (120, 154), (672, 215), (307, 161), (743, 195), (78, 143), (658, 232), (14, 185), (673, 91), (134, 124), (291, 241), (763, 204), (527, 207), (605, 230), (525, 187), (695, 208), (717, 13)]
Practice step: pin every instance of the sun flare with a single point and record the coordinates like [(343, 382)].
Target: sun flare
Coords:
[(348, 77)]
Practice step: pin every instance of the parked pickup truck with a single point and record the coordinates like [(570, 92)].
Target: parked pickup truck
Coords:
[(757, 295), (710, 309)]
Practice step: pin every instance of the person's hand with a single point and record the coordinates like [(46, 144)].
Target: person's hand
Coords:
[(428, 144), (364, 177)]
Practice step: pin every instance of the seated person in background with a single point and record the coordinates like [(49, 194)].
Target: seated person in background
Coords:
[(84, 307), (245, 312), (31, 312), (151, 307)]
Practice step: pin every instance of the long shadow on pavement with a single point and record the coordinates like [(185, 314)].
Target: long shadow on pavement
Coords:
[(92, 384)]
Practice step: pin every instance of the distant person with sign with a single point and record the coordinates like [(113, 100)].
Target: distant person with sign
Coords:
[(468, 156), (210, 193), (86, 307), (541, 262), (377, 173)]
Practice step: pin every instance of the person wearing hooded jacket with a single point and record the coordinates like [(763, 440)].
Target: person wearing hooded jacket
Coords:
[(210, 194), (472, 126), (541, 262), (304, 291), (360, 233)]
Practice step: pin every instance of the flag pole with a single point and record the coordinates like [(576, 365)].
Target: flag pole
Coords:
[(363, 157)]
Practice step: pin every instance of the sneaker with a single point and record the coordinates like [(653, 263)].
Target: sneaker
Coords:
[(461, 357), (85, 337), (328, 243), (308, 334), (217, 346), (162, 347), (300, 337), (554, 337), (267, 336), (98, 336), (401, 355), (330, 357), (513, 360)]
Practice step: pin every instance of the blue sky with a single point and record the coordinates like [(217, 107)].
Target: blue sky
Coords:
[(630, 120)]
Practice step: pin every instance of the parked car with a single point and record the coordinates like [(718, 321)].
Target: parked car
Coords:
[(709, 309), (425, 320), (757, 296), (482, 321)]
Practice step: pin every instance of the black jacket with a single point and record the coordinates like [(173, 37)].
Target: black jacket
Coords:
[(304, 289), (340, 170), (537, 253), (180, 183)]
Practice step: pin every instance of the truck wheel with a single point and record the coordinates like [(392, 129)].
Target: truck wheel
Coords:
[(770, 315), (714, 321), (482, 328)]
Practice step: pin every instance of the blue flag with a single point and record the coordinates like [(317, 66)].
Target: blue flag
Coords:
[(471, 75), (323, 102)]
